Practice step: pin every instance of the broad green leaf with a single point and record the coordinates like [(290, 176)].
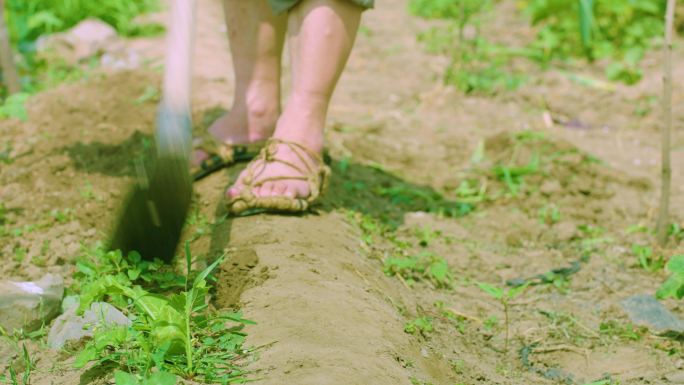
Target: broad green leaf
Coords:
[(672, 288), (491, 290), (15, 106), (188, 261), (676, 264), (88, 354), (586, 22), (160, 378), (440, 271), (601, 382), (133, 274), (123, 378), (203, 275), (516, 291)]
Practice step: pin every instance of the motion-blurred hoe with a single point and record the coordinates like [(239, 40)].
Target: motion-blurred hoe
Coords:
[(157, 204)]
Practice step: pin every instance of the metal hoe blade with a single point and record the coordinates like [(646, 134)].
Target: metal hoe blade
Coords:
[(155, 209)]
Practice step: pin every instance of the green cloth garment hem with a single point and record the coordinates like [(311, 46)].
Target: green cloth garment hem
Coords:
[(281, 6)]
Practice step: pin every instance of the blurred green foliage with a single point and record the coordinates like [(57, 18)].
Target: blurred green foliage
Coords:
[(29, 19), (619, 32), (477, 65)]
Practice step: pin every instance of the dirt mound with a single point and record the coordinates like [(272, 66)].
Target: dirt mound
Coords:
[(540, 174)]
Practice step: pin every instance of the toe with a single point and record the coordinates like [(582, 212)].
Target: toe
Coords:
[(279, 189), (289, 191), (269, 189), (233, 192)]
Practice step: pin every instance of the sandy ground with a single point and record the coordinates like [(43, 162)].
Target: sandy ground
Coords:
[(325, 311)]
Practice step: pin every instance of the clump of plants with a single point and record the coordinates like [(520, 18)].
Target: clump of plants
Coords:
[(617, 32), (27, 21), (620, 31), (674, 285), (476, 64), (424, 266), (420, 325), (174, 332), (504, 297)]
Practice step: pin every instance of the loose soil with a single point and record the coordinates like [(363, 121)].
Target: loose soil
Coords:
[(325, 311)]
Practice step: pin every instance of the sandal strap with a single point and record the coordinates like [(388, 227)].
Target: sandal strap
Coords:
[(211, 145), (311, 170)]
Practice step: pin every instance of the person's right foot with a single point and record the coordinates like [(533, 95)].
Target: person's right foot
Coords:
[(240, 127)]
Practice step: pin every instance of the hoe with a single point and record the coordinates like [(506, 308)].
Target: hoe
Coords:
[(157, 204)]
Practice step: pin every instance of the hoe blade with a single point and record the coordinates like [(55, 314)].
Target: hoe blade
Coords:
[(155, 209)]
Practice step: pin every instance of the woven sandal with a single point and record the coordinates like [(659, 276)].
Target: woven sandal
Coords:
[(314, 171), (221, 154)]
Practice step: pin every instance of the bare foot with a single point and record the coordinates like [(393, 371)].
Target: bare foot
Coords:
[(240, 126), (285, 171)]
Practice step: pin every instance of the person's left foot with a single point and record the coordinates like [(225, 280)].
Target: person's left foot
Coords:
[(285, 170)]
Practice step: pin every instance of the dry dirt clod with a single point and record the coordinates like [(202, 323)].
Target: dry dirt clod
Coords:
[(28, 305), (7, 354), (70, 327), (647, 311), (675, 378)]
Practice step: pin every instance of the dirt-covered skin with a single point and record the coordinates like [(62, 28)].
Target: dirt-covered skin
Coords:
[(325, 311)]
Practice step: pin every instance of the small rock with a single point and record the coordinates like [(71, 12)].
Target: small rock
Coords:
[(27, 305), (550, 187), (565, 231), (675, 378), (8, 352), (88, 38), (645, 310), (93, 31), (70, 327)]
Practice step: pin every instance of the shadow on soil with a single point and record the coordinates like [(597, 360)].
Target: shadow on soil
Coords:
[(367, 190), (109, 159), (361, 188), (118, 159)]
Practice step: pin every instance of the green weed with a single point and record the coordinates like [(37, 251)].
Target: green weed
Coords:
[(673, 287), (472, 192), (549, 214), (6, 153), (676, 232), (158, 378), (421, 325), (566, 327), (426, 235), (3, 213), (15, 106), (421, 199), (173, 331), (504, 296), (647, 259), (13, 378), (150, 93), (622, 331), (424, 266), (457, 320), (491, 323)]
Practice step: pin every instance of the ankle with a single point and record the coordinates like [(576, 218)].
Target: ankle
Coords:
[(303, 121), (262, 117)]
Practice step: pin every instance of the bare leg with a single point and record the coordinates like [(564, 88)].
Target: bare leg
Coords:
[(256, 43), (321, 34)]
